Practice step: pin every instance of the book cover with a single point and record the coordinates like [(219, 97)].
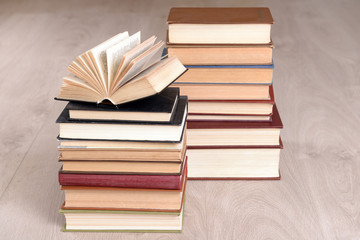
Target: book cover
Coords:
[(162, 102), (179, 115), (220, 16), (126, 130)]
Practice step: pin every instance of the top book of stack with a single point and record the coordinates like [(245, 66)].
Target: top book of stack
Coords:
[(120, 70), (219, 26)]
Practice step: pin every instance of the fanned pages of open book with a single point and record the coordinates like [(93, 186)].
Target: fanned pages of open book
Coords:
[(120, 70)]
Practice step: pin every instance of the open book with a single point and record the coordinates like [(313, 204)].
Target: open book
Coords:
[(120, 70)]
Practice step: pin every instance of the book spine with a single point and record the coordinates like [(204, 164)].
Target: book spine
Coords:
[(122, 181)]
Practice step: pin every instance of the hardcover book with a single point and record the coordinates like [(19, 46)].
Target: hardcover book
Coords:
[(227, 74), (157, 108), (222, 54), (153, 181), (122, 221), (123, 167), (120, 70), (232, 25), (203, 91), (234, 133), (124, 154), (230, 163), (245, 110), (125, 130), (125, 199)]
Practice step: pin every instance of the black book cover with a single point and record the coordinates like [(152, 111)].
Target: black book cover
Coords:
[(180, 111), (162, 102)]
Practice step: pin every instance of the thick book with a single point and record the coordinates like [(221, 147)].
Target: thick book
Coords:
[(121, 221), (226, 74), (234, 133), (229, 163), (220, 25), (125, 130), (126, 199), (226, 54), (246, 110), (157, 108), (153, 181), (120, 70)]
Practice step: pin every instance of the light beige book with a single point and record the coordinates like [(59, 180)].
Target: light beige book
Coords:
[(122, 221), (120, 70), (224, 163), (240, 54), (223, 75)]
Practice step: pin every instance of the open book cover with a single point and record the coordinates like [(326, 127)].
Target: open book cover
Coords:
[(121, 69)]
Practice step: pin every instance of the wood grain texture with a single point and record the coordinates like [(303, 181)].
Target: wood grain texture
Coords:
[(316, 84)]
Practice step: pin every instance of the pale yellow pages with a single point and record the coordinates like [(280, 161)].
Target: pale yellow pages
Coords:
[(114, 55), (92, 65), (77, 89), (150, 81), (81, 72), (98, 56), (129, 56), (82, 60), (138, 64)]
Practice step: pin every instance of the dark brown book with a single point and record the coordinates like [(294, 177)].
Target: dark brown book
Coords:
[(252, 15), (219, 25)]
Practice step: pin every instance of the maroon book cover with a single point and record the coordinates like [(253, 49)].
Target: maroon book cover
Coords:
[(124, 181)]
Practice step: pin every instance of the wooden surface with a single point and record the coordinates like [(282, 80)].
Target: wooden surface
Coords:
[(317, 86)]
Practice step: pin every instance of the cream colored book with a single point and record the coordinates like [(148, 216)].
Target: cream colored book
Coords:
[(122, 221), (120, 70)]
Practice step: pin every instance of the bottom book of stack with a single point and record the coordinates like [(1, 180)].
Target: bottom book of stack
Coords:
[(234, 149), (122, 221), (158, 206)]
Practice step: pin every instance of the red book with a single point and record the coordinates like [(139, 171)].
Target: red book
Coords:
[(124, 180)]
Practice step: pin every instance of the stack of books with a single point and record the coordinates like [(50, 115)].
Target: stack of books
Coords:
[(233, 123), (124, 166)]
